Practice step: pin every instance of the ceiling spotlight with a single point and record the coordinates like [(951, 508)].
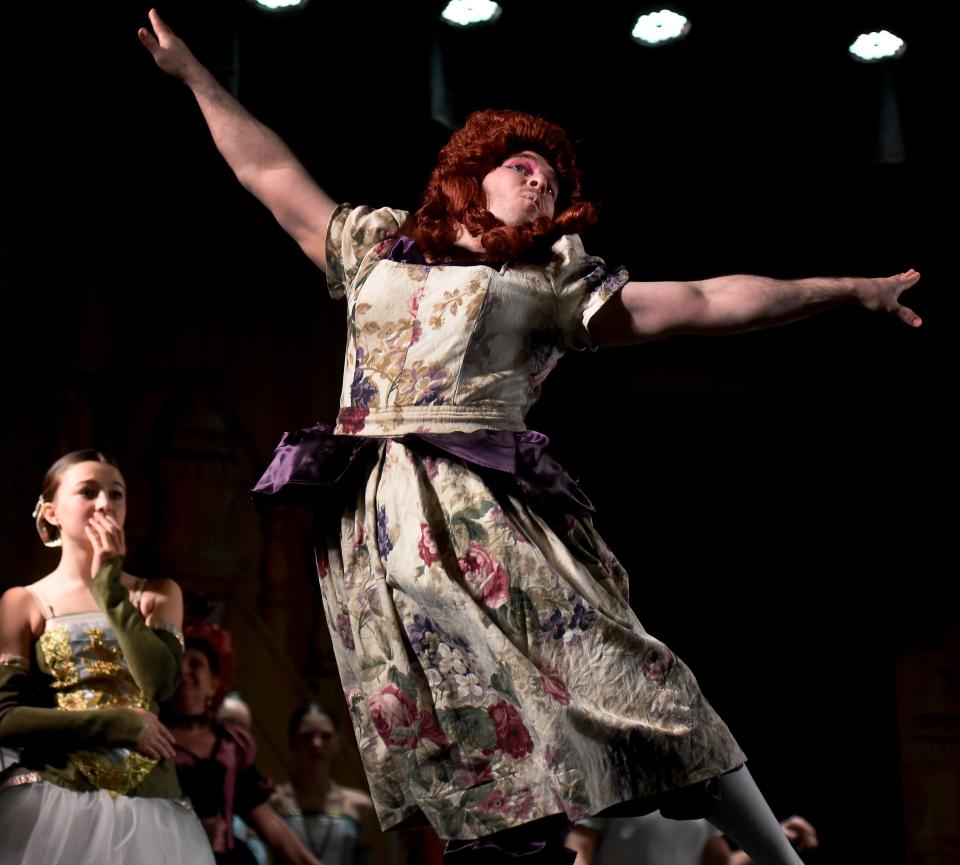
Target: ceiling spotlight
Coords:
[(465, 13), (278, 5), (656, 28), (873, 47)]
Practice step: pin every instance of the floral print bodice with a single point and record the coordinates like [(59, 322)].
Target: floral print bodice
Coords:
[(452, 348)]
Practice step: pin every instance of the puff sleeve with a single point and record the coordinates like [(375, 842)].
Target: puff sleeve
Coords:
[(352, 234), (582, 284)]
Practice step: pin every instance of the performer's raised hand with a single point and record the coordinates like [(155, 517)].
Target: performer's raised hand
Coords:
[(107, 539), (168, 50)]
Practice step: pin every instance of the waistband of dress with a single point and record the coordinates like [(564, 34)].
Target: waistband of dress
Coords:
[(16, 775), (426, 420)]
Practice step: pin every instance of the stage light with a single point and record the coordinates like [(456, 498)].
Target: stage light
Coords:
[(465, 13), (873, 47), (278, 5), (656, 28)]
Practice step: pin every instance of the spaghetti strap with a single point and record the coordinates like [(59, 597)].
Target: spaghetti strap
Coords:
[(137, 592), (45, 609)]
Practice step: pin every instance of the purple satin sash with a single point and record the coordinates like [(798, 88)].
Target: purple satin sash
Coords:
[(314, 457)]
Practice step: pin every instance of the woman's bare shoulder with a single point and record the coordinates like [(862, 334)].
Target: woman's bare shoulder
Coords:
[(159, 595), (19, 611)]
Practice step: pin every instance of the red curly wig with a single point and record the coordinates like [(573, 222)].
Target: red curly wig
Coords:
[(455, 197), (216, 644)]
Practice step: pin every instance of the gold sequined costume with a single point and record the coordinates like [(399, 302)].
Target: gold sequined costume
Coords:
[(81, 793)]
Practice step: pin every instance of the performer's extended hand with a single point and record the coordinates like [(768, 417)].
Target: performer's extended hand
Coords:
[(169, 51), (883, 294)]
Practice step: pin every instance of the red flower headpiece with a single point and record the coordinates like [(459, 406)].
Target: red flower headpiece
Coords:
[(216, 644)]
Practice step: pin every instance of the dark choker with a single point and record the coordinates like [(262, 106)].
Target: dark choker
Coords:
[(187, 721)]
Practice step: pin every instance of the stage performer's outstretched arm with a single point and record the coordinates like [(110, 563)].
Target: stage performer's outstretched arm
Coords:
[(728, 304), (261, 161)]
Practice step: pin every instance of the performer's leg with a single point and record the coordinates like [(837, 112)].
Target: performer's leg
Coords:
[(743, 814)]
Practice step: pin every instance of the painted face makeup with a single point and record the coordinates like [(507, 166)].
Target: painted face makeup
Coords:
[(521, 189)]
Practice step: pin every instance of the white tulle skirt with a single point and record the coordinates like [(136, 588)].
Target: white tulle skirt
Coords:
[(43, 824)]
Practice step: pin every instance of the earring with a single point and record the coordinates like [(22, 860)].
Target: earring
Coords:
[(45, 528)]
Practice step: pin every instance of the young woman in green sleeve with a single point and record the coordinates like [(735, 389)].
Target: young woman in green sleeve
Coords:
[(86, 654)]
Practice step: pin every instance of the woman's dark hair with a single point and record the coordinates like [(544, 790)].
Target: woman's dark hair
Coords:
[(455, 197), (301, 712), (49, 533)]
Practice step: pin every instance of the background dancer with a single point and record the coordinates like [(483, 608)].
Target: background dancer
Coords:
[(86, 654)]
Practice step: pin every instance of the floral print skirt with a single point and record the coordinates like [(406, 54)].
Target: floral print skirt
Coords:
[(493, 668)]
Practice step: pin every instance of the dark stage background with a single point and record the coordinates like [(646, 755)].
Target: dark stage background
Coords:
[(782, 499)]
